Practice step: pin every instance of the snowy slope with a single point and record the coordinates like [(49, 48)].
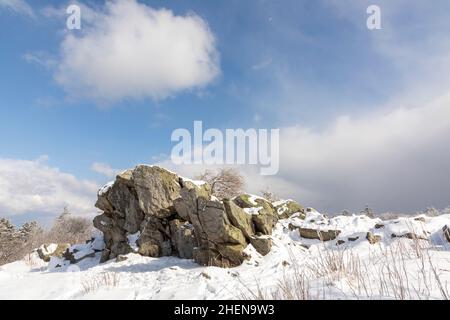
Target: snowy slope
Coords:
[(394, 268)]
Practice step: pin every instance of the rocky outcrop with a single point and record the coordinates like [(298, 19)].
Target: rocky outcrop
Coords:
[(47, 251), (177, 216)]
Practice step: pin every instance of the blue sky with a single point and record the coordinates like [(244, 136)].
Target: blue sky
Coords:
[(311, 68)]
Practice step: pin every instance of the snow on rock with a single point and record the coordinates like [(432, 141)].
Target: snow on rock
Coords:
[(252, 211), (48, 249), (132, 238), (103, 190), (198, 183)]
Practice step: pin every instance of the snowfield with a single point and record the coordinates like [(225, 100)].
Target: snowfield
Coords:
[(349, 267)]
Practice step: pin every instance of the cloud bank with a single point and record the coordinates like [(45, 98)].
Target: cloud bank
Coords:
[(391, 160), (130, 50), (32, 186), (19, 6)]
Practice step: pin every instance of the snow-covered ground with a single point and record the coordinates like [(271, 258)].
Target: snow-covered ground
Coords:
[(394, 268)]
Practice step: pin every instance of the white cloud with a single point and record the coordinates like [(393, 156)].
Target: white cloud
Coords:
[(392, 160), (131, 50), (105, 169), (19, 6), (40, 58), (262, 65), (397, 159), (32, 186)]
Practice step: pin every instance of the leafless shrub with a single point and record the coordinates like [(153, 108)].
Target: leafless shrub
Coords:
[(70, 229), (431, 212), (269, 195), (368, 212), (225, 182), (388, 216), (396, 271), (101, 280)]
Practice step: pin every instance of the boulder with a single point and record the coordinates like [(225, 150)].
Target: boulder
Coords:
[(115, 236), (155, 238), (264, 216), (156, 190), (46, 251), (249, 201), (215, 224), (182, 238), (446, 230), (409, 235), (149, 249), (373, 239), (79, 252), (322, 235), (239, 218), (285, 209), (121, 258), (75, 256), (218, 241), (262, 244), (264, 223)]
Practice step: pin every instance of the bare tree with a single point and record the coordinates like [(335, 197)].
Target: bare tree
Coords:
[(16, 243), (269, 195), (225, 182), (8, 241), (70, 229)]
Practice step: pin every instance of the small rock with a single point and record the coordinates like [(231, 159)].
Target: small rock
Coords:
[(373, 238), (409, 235), (339, 242), (205, 275), (446, 230), (352, 238), (322, 235), (121, 258), (379, 226), (285, 263), (262, 245)]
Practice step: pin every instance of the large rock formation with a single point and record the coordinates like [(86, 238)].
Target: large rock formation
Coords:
[(170, 215)]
